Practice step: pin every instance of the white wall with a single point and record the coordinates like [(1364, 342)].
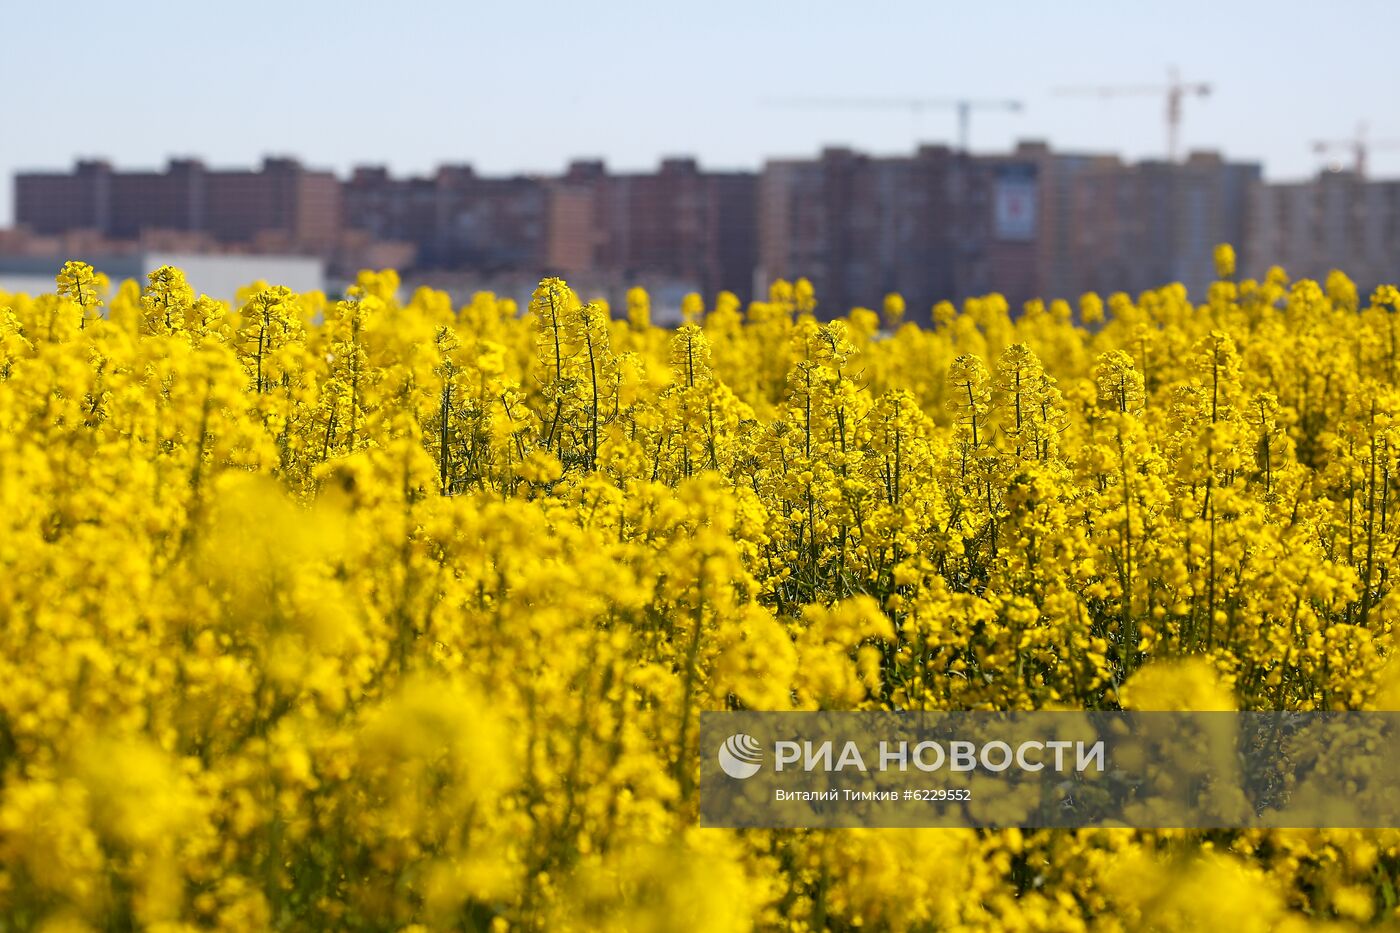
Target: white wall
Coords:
[(218, 276), (222, 276), (19, 284)]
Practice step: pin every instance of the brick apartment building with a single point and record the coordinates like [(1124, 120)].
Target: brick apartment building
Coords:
[(1134, 227), (1030, 223), (1338, 220), (457, 219), (678, 222), (280, 206), (932, 225), (859, 226)]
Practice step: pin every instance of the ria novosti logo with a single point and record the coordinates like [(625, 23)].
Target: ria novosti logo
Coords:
[(740, 756)]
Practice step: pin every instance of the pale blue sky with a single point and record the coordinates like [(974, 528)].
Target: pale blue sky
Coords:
[(526, 86)]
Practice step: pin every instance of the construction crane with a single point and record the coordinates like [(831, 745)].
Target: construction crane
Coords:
[(915, 105), (1174, 90), (1359, 145)]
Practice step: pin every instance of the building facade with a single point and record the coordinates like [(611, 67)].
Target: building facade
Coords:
[(859, 227), (1337, 220), (679, 223), (932, 225), (1030, 223), (281, 206)]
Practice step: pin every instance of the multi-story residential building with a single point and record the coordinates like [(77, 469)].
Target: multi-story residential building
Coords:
[(679, 223), (1204, 201), (932, 225), (1337, 220), (61, 202), (1031, 223), (1134, 227), (281, 204), (859, 226)]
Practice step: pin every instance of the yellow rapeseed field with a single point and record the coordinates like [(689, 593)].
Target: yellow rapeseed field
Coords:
[(370, 615)]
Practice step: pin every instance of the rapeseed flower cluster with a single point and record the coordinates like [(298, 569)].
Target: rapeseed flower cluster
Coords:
[(375, 614)]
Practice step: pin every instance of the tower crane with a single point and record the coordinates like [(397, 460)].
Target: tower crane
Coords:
[(915, 105), (1175, 90), (1359, 145)]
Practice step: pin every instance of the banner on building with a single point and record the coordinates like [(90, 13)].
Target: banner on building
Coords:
[(1014, 200)]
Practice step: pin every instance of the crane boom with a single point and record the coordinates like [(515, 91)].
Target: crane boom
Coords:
[(1359, 145), (1174, 91), (916, 105), (1113, 90)]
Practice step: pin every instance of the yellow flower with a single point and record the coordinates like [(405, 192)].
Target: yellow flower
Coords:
[(1224, 260), (385, 613)]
